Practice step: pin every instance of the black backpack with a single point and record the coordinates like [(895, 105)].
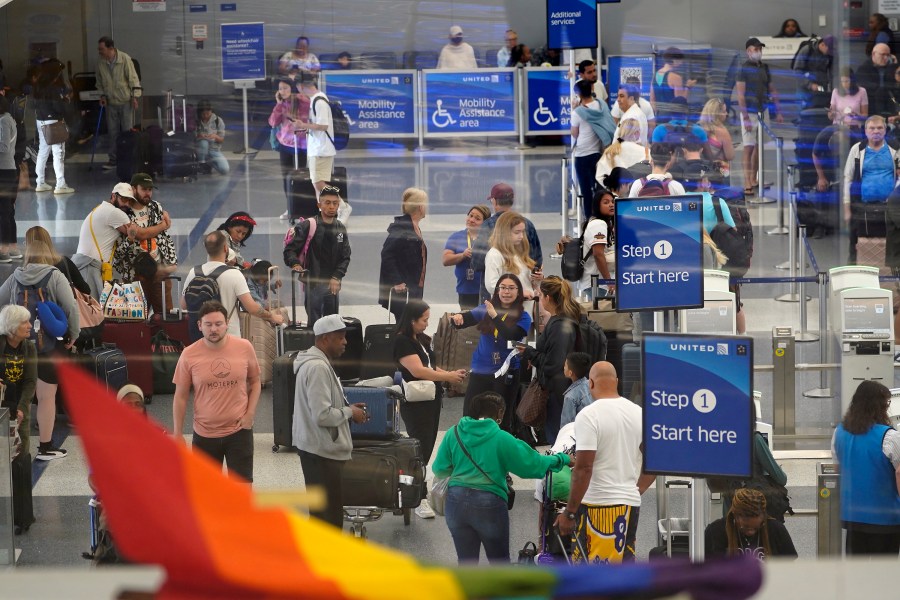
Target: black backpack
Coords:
[(731, 243), (800, 62), (339, 122), (591, 339), (201, 289), (574, 257)]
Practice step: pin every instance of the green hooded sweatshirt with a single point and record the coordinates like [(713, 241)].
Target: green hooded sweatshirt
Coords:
[(496, 452)]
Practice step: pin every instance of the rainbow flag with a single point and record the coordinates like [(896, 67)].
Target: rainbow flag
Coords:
[(169, 506)]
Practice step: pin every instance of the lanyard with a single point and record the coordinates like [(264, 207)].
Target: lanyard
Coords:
[(496, 333), (468, 240)]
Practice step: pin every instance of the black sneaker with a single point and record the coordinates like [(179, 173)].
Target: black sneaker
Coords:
[(51, 454)]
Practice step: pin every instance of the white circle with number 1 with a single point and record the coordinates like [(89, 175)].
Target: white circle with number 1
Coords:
[(704, 401), (662, 249)]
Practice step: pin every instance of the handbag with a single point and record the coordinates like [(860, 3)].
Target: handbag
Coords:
[(89, 309), (527, 554), (124, 301), (419, 391), (510, 492), (438, 497), (55, 133), (532, 408)]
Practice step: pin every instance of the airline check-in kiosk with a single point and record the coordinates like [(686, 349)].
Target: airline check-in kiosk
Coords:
[(719, 311), (894, 409), (863, 322)]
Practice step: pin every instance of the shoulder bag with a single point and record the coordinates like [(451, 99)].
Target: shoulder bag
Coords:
[(510, 492), (55, 133), (532, 409)]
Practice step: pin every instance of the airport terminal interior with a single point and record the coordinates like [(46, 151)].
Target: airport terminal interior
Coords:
[(179, 45)]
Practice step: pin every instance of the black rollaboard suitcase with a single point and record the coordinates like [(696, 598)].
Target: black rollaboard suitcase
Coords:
[(108, 364), (378, 351), (383, 406), (408, 452), (348, 365), (339, 180), (302, 201), (283, 384), (23, 505), (126, 154), (179, 158), (294, 336), (372, 478)]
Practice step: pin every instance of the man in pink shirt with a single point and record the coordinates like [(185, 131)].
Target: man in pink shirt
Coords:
[(223, 371)]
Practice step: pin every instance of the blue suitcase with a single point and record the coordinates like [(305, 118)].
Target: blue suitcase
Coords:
[(383, 405), (108, 364)]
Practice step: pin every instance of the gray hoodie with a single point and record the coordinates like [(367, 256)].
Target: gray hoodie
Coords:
[(60, 291), (321, 413)]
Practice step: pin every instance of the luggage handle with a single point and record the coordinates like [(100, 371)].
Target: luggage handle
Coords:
[(670, 484), (165, 312), (273, 274), (294, 291), (562, 546), (390, 298)]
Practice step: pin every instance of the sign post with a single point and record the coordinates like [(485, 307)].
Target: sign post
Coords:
[(243, 61), (698, 417), (659, 253)]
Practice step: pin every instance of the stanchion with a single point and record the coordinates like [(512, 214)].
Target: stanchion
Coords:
[(761, 171), (824, 389), (803, 335), (565, 195), (422, 112), (791, 263), (793, 251), (779, 184), (523, 110)]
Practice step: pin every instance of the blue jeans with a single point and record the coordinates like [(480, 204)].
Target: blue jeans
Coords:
[(214, 155), (586, 174), (477, 518)]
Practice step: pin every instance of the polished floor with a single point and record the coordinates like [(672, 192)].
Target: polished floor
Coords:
[(455, 176)]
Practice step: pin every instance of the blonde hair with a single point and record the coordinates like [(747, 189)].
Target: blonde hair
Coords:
[(37, 252), (413, 198), (39, 234), (629, 131), (501, 239), (560, 292), (721, 259), (709, 116)]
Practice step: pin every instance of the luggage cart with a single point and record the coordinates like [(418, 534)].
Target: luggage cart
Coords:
[(358, 516), (673, 531)]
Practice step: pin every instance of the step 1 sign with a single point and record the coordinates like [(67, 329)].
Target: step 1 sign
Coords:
[(659, 252), (243, 51), (377, 103), (571, 24), (549, 102), (470, 103), (698, 392)]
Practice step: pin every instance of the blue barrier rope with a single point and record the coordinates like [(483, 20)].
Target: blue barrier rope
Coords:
[(888, 279)]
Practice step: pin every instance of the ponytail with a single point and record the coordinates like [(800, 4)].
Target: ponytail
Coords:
[(561, 293)]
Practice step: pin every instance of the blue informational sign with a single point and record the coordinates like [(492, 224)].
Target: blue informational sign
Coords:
[(470, 103), (659, 252), (197, 8), (697, 400), (243, 51), (571, 24), (230, 7), (621, 68), (549, 102), (377, 103)]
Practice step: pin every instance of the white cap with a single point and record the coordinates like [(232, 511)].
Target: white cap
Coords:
[(124, 189), (456, 30), (329, 324)]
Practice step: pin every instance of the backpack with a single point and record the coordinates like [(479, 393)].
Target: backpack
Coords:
[(800, 62), (292, 233), (731, 243), (734, 198), (591, 339), (201, 289), (574, 257), (339, 122), (601, 122), (30, 296), (653, 188)]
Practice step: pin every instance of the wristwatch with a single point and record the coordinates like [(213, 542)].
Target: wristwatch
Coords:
[(569, 515)]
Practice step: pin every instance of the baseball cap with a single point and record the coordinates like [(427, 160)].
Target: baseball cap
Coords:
[(754, 42), (329, 324), (456, 30), (124, 189), (502, 191), (142, 179)]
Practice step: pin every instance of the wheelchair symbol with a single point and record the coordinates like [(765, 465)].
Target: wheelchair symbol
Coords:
[(445, 118), (347, 116), (542, 115)]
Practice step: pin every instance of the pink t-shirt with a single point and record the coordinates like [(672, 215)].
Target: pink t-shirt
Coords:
[(219, 378), (855, 102)]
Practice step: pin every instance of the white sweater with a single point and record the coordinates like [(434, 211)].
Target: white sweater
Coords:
[(493, 269)]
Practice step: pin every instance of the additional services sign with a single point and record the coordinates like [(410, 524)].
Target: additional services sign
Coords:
[(377, 103), (549, 103), (659, 252), (622, 68), (243, 51), (470, 103), (571, 24), (697, 404)]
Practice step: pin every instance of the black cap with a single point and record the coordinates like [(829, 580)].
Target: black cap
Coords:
[(754, 42)]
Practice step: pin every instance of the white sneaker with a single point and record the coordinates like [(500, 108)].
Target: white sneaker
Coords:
[(424, 510), (43, 187), (64, 190)]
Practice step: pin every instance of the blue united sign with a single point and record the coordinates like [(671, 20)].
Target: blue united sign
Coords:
[(377, 103), (697, 397), (621, 68), (659, 253), (243, 51), (470, 103), (571, 24), (549, 102)]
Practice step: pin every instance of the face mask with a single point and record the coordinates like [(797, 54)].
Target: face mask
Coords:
[(456, 40), (755, 56)]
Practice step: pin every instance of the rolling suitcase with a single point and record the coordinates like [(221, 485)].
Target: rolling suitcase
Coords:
[(134, 339), (179, 159), (383, 406), (302, 201), (173, 321), (126, 154), (371, 478), (23, 503), (108, 364), (378, 351), (294, 336), (283, 383), (262, 335), (339, 180), (348, 365), (630, 377), (453, 350), (408, 452)]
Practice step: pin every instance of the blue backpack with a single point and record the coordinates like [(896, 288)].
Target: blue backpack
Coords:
[(601, 122)]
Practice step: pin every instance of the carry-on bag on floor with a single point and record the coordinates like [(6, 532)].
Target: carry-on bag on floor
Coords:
[(378, 354), (179, 157), (108, 364), (173, 321), (23, 504), (339, 180), (347, 366), (262, 336), (383, 406), (134, 339), (409, 452), (630, 377), (372, 478), (453, 350), (166, 353), (674, 532), (294, 336), (302, 199), (283, 384)]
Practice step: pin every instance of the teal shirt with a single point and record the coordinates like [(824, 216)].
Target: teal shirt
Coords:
[(877, 175), (496, 452)]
